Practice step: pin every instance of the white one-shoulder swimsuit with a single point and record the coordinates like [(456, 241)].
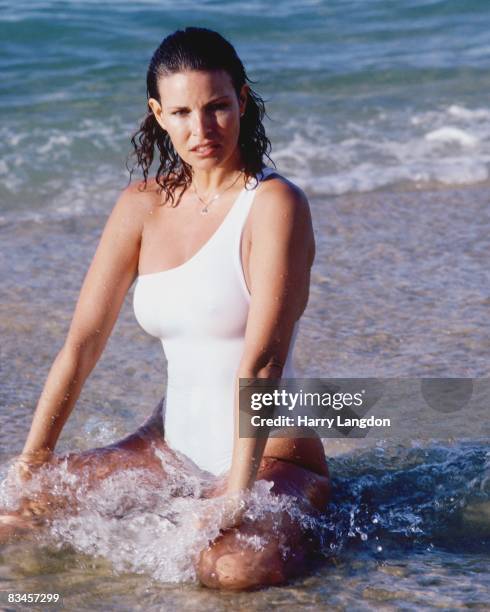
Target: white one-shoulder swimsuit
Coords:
[(199, 312)]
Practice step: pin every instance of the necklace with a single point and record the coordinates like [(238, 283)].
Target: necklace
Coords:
[(205, 209)]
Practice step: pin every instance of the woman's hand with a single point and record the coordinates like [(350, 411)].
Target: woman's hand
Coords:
[(234, 508), (225, 512), (27, 463), (29, 507)]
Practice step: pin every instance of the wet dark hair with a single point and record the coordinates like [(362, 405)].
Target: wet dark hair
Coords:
[(196, 49)]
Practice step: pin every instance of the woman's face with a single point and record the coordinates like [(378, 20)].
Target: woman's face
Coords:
[(200, 111)]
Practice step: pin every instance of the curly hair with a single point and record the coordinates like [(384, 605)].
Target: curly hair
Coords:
[(196, 49)]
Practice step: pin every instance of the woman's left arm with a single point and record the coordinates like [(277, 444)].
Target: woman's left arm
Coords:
[(281, 254)]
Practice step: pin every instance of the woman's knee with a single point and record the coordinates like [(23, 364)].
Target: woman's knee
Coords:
[(223, 567), (230, 564)]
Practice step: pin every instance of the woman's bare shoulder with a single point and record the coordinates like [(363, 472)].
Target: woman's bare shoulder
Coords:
[(144, 193), (138, 200), (281, 214), (279, 200)]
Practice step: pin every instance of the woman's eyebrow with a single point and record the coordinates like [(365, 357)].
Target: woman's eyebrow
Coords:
[(213, 101), (218, 99)]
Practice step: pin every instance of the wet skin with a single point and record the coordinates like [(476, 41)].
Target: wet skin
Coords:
[(226, 563)]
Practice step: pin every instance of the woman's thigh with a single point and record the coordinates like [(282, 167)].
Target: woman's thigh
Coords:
[(231, 562), (307, 453), (54, 492), (137, 450)]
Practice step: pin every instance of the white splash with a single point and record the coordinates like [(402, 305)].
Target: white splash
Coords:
[(452, 134), (143, 524)]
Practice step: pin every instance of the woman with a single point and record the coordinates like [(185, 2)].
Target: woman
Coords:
[(220, 248)]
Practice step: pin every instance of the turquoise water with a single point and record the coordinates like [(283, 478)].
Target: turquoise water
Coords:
[(380, 111), (362, 95)]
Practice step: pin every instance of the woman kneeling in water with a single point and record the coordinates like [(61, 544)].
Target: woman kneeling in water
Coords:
[(220, 249)]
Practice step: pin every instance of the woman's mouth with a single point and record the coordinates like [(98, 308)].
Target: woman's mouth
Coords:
[(205, 150)]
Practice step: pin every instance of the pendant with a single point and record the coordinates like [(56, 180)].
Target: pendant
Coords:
[(204, 210)]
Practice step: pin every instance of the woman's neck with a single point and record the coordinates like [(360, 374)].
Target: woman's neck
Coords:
[(215, 179)]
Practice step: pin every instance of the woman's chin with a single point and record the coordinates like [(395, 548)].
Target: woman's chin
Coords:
[(205, 163)]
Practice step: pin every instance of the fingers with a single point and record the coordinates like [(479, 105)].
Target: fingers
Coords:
[(29, 462), (220, 514)]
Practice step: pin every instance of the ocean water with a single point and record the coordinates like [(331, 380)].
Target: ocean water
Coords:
[(362, 95), (379, 110)]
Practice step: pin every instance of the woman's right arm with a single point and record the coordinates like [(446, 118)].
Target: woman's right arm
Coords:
[(110, 275)]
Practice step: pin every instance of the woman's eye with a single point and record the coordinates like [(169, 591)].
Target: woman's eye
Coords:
[(212, 108), (221, 106)]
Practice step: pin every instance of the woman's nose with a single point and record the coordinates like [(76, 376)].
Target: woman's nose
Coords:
[(200, 124)]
